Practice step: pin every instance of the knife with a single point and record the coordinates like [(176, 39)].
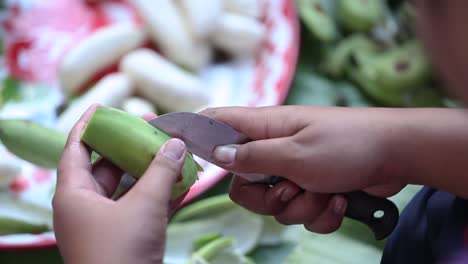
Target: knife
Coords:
[(202, 135)]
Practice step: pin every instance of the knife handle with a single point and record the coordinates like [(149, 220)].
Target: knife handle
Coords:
[(379, 214)]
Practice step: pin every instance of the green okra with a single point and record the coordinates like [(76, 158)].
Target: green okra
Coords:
[(131, 143), (359, 15), (32, 142), (317, 20)]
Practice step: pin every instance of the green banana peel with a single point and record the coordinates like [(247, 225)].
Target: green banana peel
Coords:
[(131, 143)]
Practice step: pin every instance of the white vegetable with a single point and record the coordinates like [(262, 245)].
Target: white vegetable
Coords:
[(110, 91), (97, 52), (10, 167), (168, 30), (163, 83), (138, 106), (238, 35), (252, 8), (201, 15)]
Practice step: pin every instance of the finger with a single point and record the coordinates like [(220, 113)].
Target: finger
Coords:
[(154, 189), (304, 208), (149, 116), (174, 205), (76, 156), (107, 176), (385, 190), (260, 122), (261, 199), (331, 218), (281, 156)]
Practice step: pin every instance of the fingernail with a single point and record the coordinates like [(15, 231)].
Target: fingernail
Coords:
[(225, 154), (174, 149), (340, 206)]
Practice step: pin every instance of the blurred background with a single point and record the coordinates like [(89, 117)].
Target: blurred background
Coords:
[(346, 53)]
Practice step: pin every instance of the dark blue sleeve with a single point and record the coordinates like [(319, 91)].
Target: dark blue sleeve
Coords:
[(431, 229)]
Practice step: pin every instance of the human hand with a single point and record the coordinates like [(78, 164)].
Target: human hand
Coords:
[(320, 151), (92, 228)]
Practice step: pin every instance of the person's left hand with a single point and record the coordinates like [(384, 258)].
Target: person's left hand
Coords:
[(92, 228)]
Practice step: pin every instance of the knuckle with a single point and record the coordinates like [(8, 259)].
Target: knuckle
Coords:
[(244, 154)]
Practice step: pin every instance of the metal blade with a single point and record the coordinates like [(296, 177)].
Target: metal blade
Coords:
[(201, 134)]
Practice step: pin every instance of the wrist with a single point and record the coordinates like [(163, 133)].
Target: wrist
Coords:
[(430, 145)]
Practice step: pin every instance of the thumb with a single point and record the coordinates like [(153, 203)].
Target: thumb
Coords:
[(154, 188)]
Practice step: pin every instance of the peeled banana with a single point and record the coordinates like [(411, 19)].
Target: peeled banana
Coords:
[(97, 52), (131, 144), (164, 83), (110, 91)]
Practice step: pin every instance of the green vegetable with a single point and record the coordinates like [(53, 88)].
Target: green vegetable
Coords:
[(131, 144), (9, 226), (309, 88), (359, 15), (338, 58), (209, 250), (402, 68), (317, 19), (212, 206), (32, 142), (10, 91), (205, 239), (219, 251), (20, 217)]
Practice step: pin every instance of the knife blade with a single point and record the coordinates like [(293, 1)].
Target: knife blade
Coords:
[(202, 135)]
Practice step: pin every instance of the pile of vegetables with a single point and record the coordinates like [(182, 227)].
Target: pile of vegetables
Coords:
[(363, 53)]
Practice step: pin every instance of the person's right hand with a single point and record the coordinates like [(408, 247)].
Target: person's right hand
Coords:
[(320, 151)]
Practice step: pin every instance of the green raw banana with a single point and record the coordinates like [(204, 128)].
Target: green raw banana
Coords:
[(338, 57), (9, 226), (317, 20), (32, 142), (402, 68), (360, 15), (131, 144)]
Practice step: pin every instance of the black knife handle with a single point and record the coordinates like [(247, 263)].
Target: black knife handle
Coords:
[(379, 214)]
